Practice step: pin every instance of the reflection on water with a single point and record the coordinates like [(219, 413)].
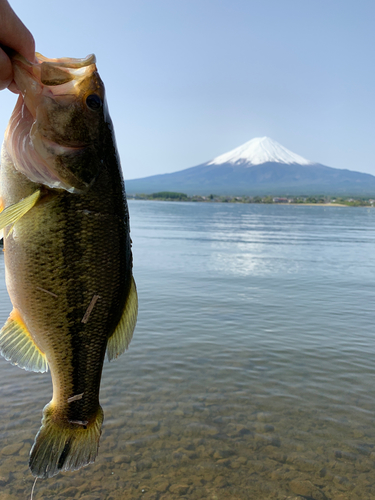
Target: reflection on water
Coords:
[(251, 371)]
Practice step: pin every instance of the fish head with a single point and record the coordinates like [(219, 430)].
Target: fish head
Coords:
[(58, 132)]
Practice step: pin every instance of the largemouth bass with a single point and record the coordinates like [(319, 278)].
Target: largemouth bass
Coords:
[(67, 250)]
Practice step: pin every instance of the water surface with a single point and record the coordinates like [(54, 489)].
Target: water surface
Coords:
[(251, 371)]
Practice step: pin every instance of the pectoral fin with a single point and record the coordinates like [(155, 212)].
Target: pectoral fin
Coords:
[(18, 346), (1, 209), (121, 337), (13, 213)]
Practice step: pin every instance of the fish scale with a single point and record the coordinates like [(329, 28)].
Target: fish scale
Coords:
[(68, 256)]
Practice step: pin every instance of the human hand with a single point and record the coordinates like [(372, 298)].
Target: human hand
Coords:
[(14, 35)]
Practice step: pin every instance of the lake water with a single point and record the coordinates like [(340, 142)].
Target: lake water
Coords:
[(251, 374)]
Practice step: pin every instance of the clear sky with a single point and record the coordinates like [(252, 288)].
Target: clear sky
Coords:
[(188, 80)]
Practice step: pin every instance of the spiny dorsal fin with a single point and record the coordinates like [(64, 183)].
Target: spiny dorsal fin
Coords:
[(13, 213), (18, 347), (119, 341)]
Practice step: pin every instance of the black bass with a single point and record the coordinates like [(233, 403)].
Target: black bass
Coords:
[(67, 250)]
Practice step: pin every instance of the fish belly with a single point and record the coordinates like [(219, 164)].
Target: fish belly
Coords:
[(68, 273)]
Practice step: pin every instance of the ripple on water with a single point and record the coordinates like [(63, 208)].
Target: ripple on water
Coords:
[(251, 371)]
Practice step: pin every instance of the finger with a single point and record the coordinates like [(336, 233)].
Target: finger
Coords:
[(6, 71), (13, 87), (14, 33)]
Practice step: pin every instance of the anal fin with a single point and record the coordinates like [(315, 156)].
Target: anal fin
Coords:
[(119, 341), (18, 346)]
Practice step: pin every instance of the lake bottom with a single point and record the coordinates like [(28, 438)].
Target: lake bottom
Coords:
[(251, 371)]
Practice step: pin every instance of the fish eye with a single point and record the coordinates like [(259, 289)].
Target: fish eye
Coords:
[(94, 102)]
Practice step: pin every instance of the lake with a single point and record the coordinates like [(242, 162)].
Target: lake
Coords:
[(251, 374)]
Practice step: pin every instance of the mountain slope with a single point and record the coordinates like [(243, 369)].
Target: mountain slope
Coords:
[(258, 151), (260, 166)]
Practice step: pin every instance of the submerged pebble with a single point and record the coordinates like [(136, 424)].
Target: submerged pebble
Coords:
[(278, 426)]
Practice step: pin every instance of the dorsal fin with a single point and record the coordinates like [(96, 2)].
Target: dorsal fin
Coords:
[(18, 346), (119, 341)]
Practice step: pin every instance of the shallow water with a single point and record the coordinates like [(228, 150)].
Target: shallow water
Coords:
[(251, 371)]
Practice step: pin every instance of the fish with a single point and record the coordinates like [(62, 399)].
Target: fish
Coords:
[(67, 250)]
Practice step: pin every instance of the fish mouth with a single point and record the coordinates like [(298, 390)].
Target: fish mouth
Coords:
[(50, 77), (38, 137), (53, 71)]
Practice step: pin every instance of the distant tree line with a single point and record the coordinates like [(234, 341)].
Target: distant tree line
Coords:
[(168, 195), (310, 200)]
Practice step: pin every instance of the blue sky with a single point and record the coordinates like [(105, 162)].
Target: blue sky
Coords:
[(188, 80)]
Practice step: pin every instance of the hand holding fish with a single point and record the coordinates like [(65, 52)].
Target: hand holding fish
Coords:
[(14, 35)]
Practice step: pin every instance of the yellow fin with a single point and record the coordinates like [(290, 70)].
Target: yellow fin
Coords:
[(18, 347), (13, 213), (1, 209), (64, 445), (119, 341)]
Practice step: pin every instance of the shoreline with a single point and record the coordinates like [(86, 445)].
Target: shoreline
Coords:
[(311, 200), (316, 204), (341, 205)]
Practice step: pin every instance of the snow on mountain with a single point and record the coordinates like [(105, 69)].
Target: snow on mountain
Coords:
[(258, 167), (260, 150)]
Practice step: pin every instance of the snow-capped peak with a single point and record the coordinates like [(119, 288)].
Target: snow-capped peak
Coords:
[(260, 150)]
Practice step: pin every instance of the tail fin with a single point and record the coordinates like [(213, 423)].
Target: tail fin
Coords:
[(63, 447)]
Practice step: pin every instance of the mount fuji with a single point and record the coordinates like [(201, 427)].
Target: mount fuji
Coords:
[(260, 166)]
